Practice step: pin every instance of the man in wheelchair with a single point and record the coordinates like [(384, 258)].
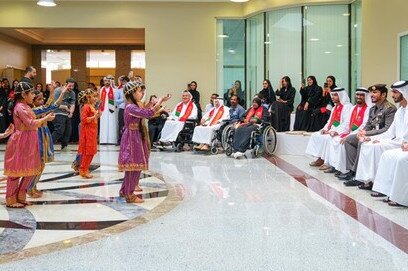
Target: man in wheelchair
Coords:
[(210, 124), (253, 120), (184, 111)]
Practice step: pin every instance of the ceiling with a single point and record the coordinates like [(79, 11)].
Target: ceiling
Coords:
[(84, 36), (197, 1)]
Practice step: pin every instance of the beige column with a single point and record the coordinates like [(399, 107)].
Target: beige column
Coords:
[(123, 58), (79, 72)]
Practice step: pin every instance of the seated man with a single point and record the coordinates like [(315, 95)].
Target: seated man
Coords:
[(210, 123), (380, 118), (373, 147), (254, 116), (183, 111), (236, 111), (337, 124), (210, 106), (335, 154), (391, 178)]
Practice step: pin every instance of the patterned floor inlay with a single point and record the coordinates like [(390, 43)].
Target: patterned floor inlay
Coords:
[(74, 211)]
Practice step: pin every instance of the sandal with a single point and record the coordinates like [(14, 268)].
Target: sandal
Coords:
[(317, 163), (133, 199), (386, 200), (377, 195), (16, 205), (138, 189), (366, 186)]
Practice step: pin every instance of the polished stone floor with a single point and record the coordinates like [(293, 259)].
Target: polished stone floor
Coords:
[(211, 213)]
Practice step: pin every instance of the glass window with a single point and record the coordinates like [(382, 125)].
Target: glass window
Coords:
[(57, 65), (356, 29), (404, 58), (230, 55), (255, 55), (284, 46), (101, 59), (326, 41), (138, 60)]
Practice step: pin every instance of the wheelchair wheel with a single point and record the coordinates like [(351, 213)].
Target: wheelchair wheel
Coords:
[(228, 151), (214, 150), (179, 147), (269, 140), (225, 136)]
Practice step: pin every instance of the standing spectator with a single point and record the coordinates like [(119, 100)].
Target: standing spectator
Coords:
[(3, 107), (29, 75), (196, 97), (76, 118), (62, 121), (120, 103)]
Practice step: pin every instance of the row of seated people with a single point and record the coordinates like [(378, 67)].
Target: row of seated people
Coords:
[(241, 124), (366, 145)]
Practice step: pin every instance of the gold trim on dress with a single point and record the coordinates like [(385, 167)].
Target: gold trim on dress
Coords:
[(133, 167), (134, 126)]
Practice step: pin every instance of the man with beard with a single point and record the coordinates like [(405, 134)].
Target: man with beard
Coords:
[(29, 75), (379, 121), (373, 148), (109, 119)]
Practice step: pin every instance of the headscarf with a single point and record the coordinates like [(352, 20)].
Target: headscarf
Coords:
[(367, 97), (343, 95), (402, 87)]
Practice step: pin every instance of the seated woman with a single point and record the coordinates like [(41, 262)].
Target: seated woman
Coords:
[(210, 123), (184, 110), (304, 109), (321, 105), (243, 130), (157, 122), (283, 107)]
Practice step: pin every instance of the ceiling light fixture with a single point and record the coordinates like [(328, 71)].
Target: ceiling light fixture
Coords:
[(223, 36), (239, 1), (314, 39), (46, 3)]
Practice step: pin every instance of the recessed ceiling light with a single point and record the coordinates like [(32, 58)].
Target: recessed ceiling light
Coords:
[(314, 39), (339, 45), (46, 3), (346, 14), (327, 52), (239, 1), (232, 51), (267, 42), (223, 36)]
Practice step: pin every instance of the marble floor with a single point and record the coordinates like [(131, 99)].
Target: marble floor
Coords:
[(202, 212)]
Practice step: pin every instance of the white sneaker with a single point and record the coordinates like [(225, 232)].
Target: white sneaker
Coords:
[(238, 155)]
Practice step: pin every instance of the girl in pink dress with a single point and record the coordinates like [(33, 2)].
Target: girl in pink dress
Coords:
[(134, 145), (22, 157)]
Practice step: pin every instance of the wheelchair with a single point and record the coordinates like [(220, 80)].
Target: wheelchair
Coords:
[(216, 140), (262, 140), (185, 136)]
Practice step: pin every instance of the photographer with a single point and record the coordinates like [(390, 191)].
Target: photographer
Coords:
[(62, 122)]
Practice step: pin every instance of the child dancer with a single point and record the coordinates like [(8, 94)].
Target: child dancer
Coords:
[(22, 157), (89, 131), (77, 162), (135, 146), (44, 135)]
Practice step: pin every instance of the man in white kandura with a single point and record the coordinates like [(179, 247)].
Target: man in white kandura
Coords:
[(337, 124), (375, 146), (210, 123), (391, 178), (185, 110), (108, 133), (335, 155)]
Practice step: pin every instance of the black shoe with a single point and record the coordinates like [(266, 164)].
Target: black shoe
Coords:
[(366, 186), (347, 176), (353, 183), (330, 170), (337, 173)]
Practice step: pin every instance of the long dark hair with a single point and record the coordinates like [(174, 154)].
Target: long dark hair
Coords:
[(334, 81), (128, 91), (313, 78), (288, 82), (269, 83)]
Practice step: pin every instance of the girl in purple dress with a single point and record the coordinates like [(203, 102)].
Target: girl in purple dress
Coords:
[(135, 146)]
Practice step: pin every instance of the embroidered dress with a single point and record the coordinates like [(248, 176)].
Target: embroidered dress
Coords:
[(22, 156), (134, 147), (109, 119)]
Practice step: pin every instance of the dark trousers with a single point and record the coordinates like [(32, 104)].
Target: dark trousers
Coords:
[(62, 130), (121, 120)]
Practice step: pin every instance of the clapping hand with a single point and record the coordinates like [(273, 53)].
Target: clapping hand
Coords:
[(50, 117), (166, 98)]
